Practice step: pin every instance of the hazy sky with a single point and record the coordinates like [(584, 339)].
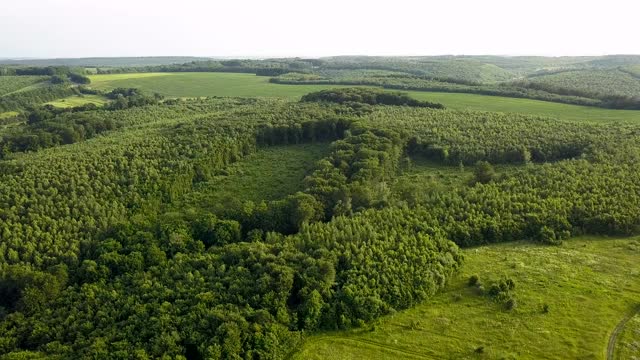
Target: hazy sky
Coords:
[(82, 28)]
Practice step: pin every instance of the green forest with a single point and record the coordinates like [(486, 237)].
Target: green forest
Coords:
[(141, 226)]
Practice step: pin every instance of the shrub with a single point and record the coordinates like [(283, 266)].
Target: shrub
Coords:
[(484, 172), (494, 290), (473, 280), (548, 236)]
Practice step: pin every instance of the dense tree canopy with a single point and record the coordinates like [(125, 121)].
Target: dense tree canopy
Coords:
[(369, 96), (104, 255)]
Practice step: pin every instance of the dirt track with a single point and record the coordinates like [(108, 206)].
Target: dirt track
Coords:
[(613, 339)]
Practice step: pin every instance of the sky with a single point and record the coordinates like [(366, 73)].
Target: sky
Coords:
[(268, 28)]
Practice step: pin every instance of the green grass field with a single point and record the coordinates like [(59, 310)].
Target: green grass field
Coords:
[(203, 84), (249, 85), (73, 101), (269, 174), (628, 346), (588, 284), (8, 114), (527, 106)]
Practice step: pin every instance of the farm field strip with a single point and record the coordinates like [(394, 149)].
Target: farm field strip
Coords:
[(249, 85)]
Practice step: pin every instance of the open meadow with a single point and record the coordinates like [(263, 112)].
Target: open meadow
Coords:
[(75, 100), (569, 299), (249, 85)]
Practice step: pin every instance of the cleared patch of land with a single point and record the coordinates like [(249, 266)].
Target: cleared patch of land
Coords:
[(249, 85), (73, 101), (587, 284), (269, 174), (425, 177)]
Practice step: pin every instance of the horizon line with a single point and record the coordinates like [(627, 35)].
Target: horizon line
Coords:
[(316, 56)]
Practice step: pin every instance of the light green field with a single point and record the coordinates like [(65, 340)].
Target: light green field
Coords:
[(8, 114), (203, 84), (75, 100), (536, 107), (588, 284), (249, 85)]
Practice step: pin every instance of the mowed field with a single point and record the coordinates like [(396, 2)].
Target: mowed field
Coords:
[(588, 284), (249, 85)]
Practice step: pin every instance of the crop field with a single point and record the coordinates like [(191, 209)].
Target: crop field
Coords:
[(249, 85), (476, 102), (202, 84), (588, 286), (75, 100)]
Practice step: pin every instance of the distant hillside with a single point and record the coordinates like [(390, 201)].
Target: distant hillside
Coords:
[(611, 81), (105, 61)]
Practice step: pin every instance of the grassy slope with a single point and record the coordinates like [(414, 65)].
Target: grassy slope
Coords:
[(633, 70), (600, 82), (12, 84), (230, 84), (72, 101), (628, 346), (269, 174), (589, 284)]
